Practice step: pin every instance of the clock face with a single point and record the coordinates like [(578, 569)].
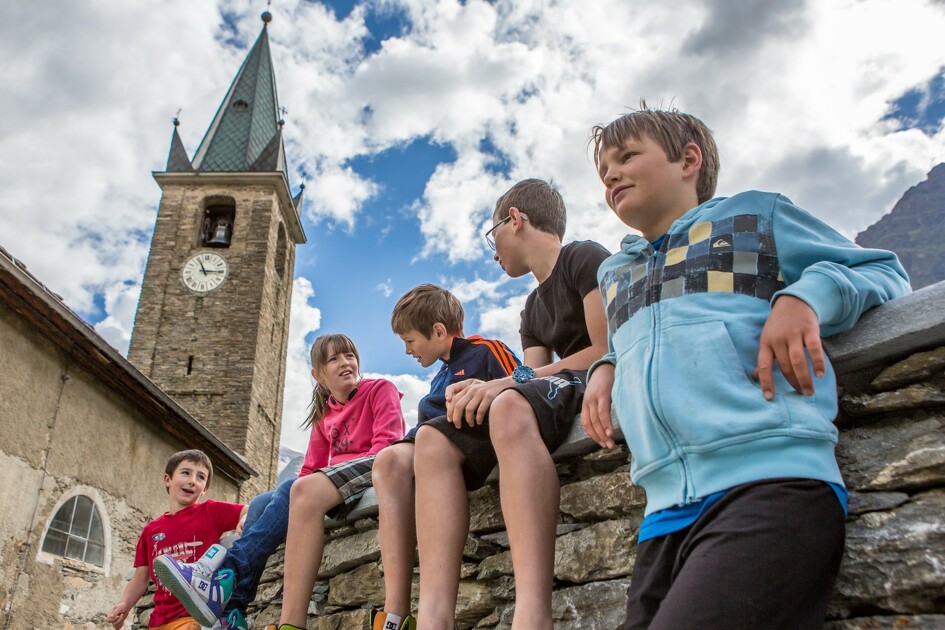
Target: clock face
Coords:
[(204, 272)]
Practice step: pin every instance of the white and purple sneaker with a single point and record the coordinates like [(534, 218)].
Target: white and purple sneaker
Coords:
[(199, 586)]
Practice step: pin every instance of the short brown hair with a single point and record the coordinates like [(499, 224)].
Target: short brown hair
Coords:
[(425, 305), (672, 130), (194, 456), (540, 201)]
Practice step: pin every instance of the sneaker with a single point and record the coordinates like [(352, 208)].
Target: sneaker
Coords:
[(198, 586), (379, 622), (235, 620)]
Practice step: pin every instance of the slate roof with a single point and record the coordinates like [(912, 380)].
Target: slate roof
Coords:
[(177, 160), (247, 124)]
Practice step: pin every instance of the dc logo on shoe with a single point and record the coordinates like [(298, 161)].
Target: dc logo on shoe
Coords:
[(203, 585)]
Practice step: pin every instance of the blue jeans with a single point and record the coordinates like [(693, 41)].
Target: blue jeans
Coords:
[(265, 528)]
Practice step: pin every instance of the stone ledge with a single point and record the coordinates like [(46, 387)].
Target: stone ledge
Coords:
[(895, 329), (577, 443), (902, 326)]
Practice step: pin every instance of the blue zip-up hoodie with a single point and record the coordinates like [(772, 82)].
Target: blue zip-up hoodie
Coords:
[(684, 324)]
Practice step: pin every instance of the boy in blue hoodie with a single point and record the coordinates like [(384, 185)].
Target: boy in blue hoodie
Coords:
[(718, 379)]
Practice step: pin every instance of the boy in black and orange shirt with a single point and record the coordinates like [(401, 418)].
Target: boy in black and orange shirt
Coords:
[(429, 320)]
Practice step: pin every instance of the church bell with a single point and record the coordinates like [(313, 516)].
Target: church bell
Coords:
[(220, 232)]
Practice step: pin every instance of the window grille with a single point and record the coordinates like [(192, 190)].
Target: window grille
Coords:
[(76, 532)]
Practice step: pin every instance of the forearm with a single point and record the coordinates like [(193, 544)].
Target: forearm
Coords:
[(135, 589), (580, 360), (836, 278)]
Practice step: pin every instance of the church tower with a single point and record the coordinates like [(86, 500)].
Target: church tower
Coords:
[(213, 318)]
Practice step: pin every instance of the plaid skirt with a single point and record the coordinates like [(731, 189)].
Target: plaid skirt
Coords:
[(351, 478)]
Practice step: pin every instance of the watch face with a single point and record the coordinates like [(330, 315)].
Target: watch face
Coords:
[(204, 272)]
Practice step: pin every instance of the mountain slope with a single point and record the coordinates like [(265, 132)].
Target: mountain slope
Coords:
[(915, 230)]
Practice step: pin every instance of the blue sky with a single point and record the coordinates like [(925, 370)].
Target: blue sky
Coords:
[(406, 119)]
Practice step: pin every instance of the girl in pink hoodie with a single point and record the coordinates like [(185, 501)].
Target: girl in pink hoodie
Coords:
[(353, 418)]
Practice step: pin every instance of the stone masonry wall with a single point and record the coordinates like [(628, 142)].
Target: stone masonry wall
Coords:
[(892, 452)]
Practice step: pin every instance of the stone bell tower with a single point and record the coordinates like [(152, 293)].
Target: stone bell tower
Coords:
[(212, 322)]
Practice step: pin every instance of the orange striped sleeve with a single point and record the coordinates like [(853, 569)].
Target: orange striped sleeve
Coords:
[(499, 351)]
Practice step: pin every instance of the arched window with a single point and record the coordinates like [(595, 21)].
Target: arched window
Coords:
[(76, 532), (216, 225)]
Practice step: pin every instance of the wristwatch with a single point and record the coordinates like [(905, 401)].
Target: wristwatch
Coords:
[(523, 374)]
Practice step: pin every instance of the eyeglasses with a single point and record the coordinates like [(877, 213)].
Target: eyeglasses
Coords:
[(488, 235)]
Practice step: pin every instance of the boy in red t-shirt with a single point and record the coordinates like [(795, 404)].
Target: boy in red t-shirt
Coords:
[(187, 530)]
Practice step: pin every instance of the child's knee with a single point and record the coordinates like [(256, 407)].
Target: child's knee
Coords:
[(314, 493), (393, 463), (435, 450), (511, 419)]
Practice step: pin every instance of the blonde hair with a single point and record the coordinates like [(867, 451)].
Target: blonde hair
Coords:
[(425, 305), (672, 130), (320, 352)]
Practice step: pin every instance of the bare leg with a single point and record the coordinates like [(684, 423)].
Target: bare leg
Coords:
[(529, 492), (443, 511), (393, 480), (310, 499)]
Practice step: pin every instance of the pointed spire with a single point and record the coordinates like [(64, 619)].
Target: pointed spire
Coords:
[(177, 160), (297, 200), (247, 124)]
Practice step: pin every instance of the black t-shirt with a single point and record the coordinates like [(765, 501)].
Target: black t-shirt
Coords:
[(554, 311)]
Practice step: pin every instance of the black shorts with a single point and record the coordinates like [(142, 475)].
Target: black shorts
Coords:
[(765, 555), (556, 401)]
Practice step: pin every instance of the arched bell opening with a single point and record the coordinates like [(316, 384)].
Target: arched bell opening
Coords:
[(217, 224)]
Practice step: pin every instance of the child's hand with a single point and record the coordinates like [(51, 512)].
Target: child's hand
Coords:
[(791, 333), (469, 400), (117, 615), (595, 410)]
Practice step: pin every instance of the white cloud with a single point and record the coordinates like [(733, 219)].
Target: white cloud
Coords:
[(456, 206), (304, 319), (121, 302), (502, 322), (386, 287), (413, 388), (795, 92), (337, 193)]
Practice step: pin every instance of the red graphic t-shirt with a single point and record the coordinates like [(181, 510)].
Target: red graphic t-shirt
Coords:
[(185, 535)]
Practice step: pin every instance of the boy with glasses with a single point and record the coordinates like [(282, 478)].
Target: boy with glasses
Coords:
[(517, 421)]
